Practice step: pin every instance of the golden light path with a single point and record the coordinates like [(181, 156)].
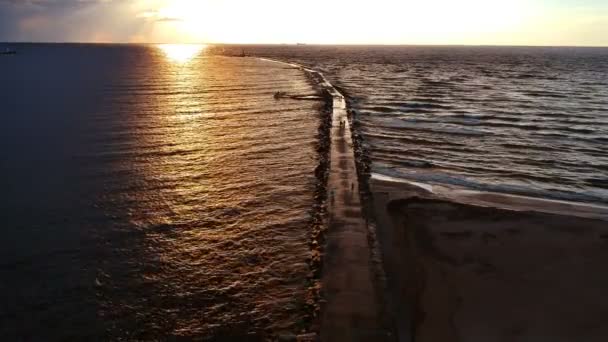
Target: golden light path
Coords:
[(181, 53)]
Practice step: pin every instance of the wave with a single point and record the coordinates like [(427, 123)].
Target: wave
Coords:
[(481, 116), (431, 179)]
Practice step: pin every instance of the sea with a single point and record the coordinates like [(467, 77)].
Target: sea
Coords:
[(154, 192), (531, 121)]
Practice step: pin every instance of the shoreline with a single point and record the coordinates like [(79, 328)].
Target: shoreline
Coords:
[(398, 188), (397, 259)]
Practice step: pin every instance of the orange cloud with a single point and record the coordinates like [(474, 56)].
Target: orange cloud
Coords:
[(34, 23)]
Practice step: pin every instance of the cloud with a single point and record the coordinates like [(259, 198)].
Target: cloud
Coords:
[(168, 19), (51, 3), (34, 23), (68, 20), (156, 17), (147, 14)]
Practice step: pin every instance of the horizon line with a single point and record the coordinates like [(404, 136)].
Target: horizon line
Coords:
[(304, 44)]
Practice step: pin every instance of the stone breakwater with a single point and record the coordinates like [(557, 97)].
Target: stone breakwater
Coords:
[(319, 210), (351, 278), (345, 300)]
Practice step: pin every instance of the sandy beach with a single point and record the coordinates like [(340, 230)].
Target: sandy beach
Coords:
[(464, 272)]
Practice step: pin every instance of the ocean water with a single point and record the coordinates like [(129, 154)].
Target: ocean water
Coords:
[(152, 192), (517, 120)]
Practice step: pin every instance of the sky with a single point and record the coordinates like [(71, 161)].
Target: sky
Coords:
[(467, 22)]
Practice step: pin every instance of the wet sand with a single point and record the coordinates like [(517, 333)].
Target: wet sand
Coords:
[(463, 272)]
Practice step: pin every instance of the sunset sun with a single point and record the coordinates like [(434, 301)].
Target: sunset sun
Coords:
[(181, 53)]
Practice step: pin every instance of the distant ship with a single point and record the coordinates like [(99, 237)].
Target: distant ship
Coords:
[(9, 52)]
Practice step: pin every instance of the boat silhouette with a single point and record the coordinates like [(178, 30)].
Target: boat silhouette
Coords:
[(9, 52)]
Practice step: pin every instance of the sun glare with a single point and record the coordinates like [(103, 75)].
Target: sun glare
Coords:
[(271, 21), (181, 53)]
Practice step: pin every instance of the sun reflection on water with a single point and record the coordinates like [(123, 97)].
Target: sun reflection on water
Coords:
[(181, 53), (211, 155)]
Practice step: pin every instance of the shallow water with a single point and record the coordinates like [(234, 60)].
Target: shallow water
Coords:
[(530, 121), (152, 192)]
